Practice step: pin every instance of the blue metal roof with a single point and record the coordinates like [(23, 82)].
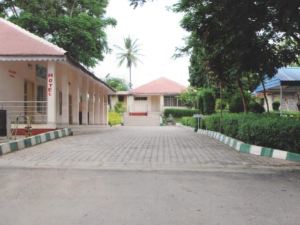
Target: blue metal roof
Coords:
[(285, 74)]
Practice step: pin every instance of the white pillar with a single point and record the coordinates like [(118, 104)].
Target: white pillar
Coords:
[(85, 102), (92, 105), (65, 99), (161, 103), (97, 106), (51, 95), (106, 109), (102, 114), (75, 101)]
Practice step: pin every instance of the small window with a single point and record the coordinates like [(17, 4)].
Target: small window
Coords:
[(121, 98), (41, 96), (140, 98)]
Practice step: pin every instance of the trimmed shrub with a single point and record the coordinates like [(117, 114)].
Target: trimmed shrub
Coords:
[(188, 121), (255, 107), (276, 105), (209, 101), (259, 129), (236, 103), (220, 104), (178, 113), (114, 118)]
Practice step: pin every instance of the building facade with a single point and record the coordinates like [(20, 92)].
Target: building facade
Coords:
[(42, 86), (144, 105)]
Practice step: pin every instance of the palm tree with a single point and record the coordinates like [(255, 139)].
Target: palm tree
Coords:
[(130, 54)]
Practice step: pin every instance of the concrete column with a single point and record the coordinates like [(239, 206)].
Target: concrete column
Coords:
[(51, 95), (65, 99), (92, 105), (97, 106), (102, 114), (106, 109), (161, 103), (85, 102), (76, 100)]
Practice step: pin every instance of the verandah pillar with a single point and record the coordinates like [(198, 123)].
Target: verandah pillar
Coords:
[(85, 102), (97, 106), (51, 94), (65, 98)]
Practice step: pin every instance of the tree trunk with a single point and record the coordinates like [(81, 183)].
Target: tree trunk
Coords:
[(221, 103), (242, 95), (130, 84), (265, 94)]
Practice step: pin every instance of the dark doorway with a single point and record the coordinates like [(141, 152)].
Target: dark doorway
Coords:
[(3, 128)]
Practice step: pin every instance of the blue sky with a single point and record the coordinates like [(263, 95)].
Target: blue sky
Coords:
[(158, 32)]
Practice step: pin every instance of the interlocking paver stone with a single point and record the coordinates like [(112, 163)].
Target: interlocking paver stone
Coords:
[(136, 147)]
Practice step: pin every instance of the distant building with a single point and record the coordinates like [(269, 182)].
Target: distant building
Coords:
[(41, 84), (283, 87), (146, 103)]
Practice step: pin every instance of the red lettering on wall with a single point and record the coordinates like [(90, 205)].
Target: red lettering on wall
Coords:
[(50, 83)]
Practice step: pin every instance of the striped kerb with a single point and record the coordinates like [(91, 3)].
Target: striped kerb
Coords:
[(27, 142), (48, 137), (293, 156), (245, 148), (13, 146), (38, 139), (268, 152), (56, 134)]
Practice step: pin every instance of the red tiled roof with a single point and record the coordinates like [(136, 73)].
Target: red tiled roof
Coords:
[(15, 41), (159, 86)]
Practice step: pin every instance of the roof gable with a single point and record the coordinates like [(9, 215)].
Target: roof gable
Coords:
[(15, 41), (159, 86)]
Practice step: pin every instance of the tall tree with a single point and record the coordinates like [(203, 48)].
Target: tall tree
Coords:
[(129, 54), (238, 38), (117, 83), (78, 26)]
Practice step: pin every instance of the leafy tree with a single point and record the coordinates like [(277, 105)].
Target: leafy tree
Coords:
[(75, 25), (237, 38), (129, 54), (189, 97), (117, 83)]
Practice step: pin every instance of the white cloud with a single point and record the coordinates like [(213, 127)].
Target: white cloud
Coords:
[(158, 32)]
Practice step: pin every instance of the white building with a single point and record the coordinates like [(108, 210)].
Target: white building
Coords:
[(41, 84), (145, 104)]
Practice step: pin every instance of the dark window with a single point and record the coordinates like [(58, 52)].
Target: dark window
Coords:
[(140, 98), (121, 98), (41, 96)]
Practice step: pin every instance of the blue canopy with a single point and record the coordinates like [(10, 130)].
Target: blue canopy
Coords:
[(285, 76)]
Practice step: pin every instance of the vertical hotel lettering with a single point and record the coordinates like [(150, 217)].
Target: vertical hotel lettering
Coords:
[(50, 83)]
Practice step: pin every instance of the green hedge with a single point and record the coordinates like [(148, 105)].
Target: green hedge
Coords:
[(258, 129), (188, 121), (178, 113), (114, 118)]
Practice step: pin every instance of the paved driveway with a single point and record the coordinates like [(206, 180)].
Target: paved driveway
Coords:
[(145, 176), (136, 148)]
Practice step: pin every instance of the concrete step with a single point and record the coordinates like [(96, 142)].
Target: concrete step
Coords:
[(150, 120)]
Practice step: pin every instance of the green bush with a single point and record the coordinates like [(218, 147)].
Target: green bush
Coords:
[(119, 107), (178, 113), (220, 104), (206, 101), (236, 103), (188, 121), (114, 118), (276, 105), (255, 107), (259, 129)]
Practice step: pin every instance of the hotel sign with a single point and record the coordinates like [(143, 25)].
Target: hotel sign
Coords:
[(50, 77)]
